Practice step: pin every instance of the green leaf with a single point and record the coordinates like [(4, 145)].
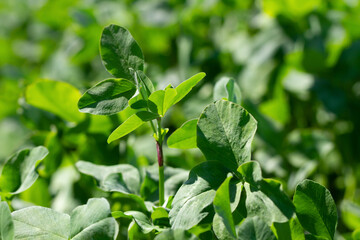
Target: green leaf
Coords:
[(177, 234), (160, 217), (132, 123), (93, 221), (120, 53), (256, 229), (6, 222), (264, 197), (41, 224), (190, 203), (224, 133), (19, 171), (227, 88), (350, 214), (185, 87), (145, 83), (223, 210), (120, 214), (291, 230), (122, 178), (356, 234), (315, 209), (142, 221), (185, 136), (90, 221), (223, 223), (59, 98), (161, 100), (107, 97)]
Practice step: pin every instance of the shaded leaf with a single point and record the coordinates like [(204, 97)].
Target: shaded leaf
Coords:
[(196, 194), (184, 137), (59, 98), (120, 53), (264, 197), (223, 215), (315, 209), (107, 97), (291, 230), (19, 171), (256, 229), (120, 178), (177, 234), (224, 133)]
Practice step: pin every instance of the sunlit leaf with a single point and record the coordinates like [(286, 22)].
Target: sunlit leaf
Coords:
[(59, 98), (107, 97), (6, 222), (224, 133), (132, 123), (185, 136), (120, 53)]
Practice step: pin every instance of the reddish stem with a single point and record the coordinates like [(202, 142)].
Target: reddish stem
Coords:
[(160, 154)]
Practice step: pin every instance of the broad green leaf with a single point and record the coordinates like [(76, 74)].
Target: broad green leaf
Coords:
[(107, 97), (224, 133), (227, 88), (291, 230), (190, 203), (39, 223), (161, 100), (264, 197), (19, 171), (59, 98), (90, 221), (350, 214), (185, 87), (93, 221), (120, 178), (6, 222), (185, 136), (223, 210), (132, 123), (254, 228), (175, 234), (120, 53), (315, 209)]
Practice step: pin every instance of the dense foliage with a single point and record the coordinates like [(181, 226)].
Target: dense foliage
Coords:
[(293, 67)]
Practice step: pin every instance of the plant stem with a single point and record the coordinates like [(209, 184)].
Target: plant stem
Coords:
[(160, 156)]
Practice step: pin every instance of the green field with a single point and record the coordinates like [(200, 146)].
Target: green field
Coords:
[(180, 119)]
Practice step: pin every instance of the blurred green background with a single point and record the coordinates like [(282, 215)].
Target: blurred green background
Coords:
[(297, 64)]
